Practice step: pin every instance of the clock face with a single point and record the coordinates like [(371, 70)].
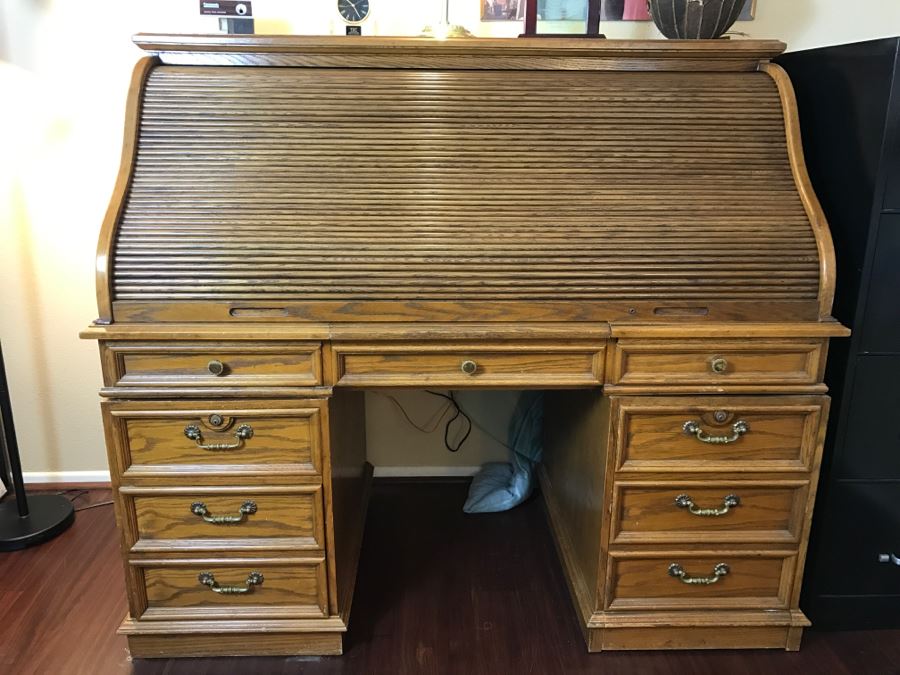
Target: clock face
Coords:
[(353, 11)]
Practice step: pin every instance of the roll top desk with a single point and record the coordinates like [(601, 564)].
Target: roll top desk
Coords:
[(627, 225)]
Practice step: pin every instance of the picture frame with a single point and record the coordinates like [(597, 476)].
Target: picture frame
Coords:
[(502, 10)]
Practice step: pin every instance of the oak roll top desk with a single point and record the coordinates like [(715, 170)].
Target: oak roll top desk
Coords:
[(627, 225)]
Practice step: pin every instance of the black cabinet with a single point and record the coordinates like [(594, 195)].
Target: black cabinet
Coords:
[(849, 101)]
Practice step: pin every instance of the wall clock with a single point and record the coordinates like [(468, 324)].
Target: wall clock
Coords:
[(353, 11)]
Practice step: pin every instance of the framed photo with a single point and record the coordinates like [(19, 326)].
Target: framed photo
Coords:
[(562, 10), (502, 10)]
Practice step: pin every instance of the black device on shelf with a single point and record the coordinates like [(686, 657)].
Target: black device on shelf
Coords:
[(849, 103), (25, 521)]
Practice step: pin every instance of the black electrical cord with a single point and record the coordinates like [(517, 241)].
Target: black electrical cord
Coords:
[(93, 506), (459, 413)]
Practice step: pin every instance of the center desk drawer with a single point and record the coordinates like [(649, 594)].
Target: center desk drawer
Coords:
[(467, 365), (215, 438), (717, 433), (717, 362), (275, 364), (226, 518), (230, 589)]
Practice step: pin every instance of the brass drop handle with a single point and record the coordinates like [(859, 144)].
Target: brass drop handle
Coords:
[(738, 429), (469, 367), (718, 364), (728, 503), (253, 579), (216, 368), (242, 433), (247, 508), (719, 571)]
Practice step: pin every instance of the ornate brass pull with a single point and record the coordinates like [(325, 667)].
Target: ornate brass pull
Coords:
[(718, 364), (728, 503), (247, 508), (216, 368), (242, 433), (469, 367), (253, 579), (739, 428), (719, 571)]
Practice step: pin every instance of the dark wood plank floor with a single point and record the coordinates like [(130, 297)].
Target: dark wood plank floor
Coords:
[(439, 592)]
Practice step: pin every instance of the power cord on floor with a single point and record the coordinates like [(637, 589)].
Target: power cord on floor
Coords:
[(79, 493), (94, 506)]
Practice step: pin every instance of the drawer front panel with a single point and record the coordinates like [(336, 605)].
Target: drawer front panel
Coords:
[(228, 364), (750, 582), (240, 519), (284, 590), (468, 365), (173, 438), (688, 512), (765, 433), (722, 362)]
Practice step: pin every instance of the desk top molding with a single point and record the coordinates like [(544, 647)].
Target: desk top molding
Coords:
[(481, 53)]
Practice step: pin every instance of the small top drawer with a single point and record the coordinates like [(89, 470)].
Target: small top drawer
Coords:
[(278, 364), (469, 365), (716, 362)]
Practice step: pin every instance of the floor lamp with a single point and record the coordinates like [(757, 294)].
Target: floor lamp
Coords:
[(25, 521)]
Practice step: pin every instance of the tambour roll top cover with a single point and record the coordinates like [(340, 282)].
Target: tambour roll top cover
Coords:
[(484, 180)]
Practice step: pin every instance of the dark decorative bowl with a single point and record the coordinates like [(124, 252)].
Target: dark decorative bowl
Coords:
[(695, 19)]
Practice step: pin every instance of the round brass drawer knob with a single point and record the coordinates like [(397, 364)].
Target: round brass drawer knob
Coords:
[(469, 367), (216, 368), (718, 364)]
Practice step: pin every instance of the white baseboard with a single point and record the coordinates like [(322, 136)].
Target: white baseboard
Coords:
[(424, 471), (38, 477)]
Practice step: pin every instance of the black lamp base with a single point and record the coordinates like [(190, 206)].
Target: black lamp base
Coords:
[(48, 516)]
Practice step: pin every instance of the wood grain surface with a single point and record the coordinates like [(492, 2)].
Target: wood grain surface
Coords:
[(168, 522), (428, 189), (782, 436), (647, 513), (287, 590), (188, 365), (149, 437), (683, 362), (755, 580)]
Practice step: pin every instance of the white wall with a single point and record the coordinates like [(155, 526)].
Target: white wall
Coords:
[(64, 71)]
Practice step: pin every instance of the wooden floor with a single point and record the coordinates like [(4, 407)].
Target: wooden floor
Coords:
[(439, 592)]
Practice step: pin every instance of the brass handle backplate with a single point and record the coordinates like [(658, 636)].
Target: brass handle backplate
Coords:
[(719, 571), (728, 503), (216, 368), (469, 367), (242, 433), (253, 579), (247, 508), (718, 364), (738, 429)]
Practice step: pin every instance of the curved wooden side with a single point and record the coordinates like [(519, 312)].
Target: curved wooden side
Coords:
[(804, 186), (123, 182)]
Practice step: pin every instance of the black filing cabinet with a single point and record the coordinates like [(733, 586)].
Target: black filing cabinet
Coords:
[(849, 101)]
